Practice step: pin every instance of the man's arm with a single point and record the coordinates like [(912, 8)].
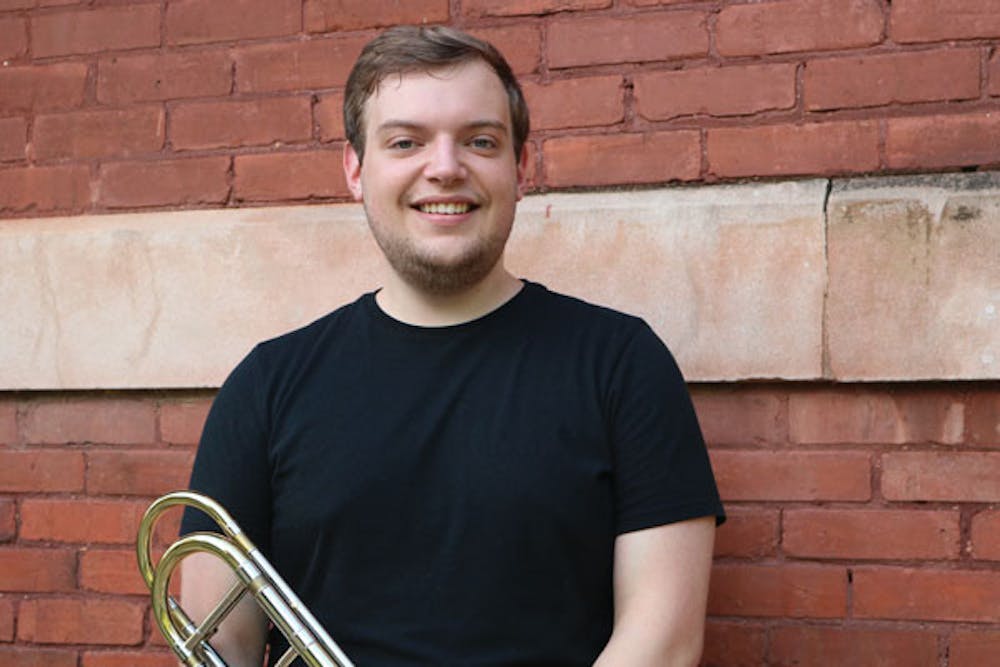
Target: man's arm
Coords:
[(240, 640), (661, 593)]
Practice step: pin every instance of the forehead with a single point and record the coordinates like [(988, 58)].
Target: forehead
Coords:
[(465, 92)]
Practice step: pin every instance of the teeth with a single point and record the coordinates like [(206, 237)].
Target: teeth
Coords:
[(442, 208)]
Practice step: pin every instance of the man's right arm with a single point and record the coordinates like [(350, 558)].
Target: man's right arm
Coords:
[(242, 636)]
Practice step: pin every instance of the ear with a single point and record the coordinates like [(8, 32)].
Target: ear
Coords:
[(522, 171), (352, 171)]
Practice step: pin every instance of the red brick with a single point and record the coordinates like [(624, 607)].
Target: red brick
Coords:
[(785, 26), (111, 571), (243, 123), (33, 656), (6, 629), (44, 189), (164, 183), (629, 39), (28, 471), (79, 621), (181, 421), (298, 66), (42, 87), (943, 141), (8, 520), (796, 591), (936, 20), (580, 102), (142, 473), (986, 535), (983, 418), (834, 417), (814, 148), (927, 594), (715, 91), (13, 138), (948, 476), (128, 659), (95, 29), (26, 570), (850, 646), (106, 421), (341, 15), (16, 4), (329, 117), (13, 37), (8, 422), (741, 416), (167, 76), (524, 7), (84, 521), (994, 74), (653, 157), (871, 534), (199, 21), (973, 648), (748, 533), (290, 176), (520, 44), (793, 475), (96, 134), (733, 645)]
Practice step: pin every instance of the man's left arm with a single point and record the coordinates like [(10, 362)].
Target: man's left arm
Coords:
[(661, 579)]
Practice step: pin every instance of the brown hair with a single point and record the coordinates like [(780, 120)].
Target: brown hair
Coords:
[(405, 49)]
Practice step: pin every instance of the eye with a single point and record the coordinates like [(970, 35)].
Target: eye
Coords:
[(483, 143), (403, 144)]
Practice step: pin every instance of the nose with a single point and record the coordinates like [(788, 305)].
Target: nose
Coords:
[(444, 163)]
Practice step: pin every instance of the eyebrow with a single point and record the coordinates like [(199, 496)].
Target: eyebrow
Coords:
[(392, 124)]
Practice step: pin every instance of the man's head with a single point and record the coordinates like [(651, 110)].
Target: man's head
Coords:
[(407, 49)]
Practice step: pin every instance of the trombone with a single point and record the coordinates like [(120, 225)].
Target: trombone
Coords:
[(306, 637)]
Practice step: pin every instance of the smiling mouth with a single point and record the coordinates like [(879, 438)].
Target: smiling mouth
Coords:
[(445, 208)]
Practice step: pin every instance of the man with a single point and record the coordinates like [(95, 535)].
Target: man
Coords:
[(461, 468)]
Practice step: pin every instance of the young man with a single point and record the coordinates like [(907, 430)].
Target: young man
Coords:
[(461, 468)]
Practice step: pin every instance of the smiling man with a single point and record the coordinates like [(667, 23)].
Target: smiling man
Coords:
[(462, 467)]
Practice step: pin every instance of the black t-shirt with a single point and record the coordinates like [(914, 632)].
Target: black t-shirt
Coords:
[(451, 495)]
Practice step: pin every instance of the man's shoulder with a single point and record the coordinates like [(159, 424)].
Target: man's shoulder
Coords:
[(335, 323), (575, 309)]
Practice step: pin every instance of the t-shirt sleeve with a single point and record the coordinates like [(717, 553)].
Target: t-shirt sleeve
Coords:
[(231, 463), (662, 469)]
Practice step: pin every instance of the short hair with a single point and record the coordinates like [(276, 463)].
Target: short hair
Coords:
[(405, 49)]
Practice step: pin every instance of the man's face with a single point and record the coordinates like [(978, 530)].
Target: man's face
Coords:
[(439, 180)]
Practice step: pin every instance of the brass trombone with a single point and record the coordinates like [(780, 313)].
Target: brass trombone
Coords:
[(306, 637)]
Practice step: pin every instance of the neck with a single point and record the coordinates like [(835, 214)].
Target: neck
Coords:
[(407, 303)]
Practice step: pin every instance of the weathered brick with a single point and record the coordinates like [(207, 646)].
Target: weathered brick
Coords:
[(871, 534), (936, 20), (166, 76), (852, 646), (106, 421), (948, 476), (740, 416), (994, 74), (629, 39), (298, 66), (521, 44), (181, 421), (836, 417), (734, 645), (943, 141), (792, 475), (748, 533), (923, 76), (715, 91), (926, 594), (329, 117), (42, 87), (6, 628), (199, 21), (6, 5), (128, 659), (44, 189), (290, 176), (785, 26), (13, 37), (109, 28), (796, 591), (8, 422), (83, 521), (143, 473), (983, 418), (164, 183), (98, 134), (32, 471), (986, 535), (80, 621), (579, 102), (622, 158), (524, 7), (111, 571), (814, 148), (8, 520), (36, 656), (341, 15), (13, 138), (28, 570), (203, 125), (973, 648)]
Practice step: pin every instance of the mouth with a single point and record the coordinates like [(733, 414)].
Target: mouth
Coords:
[(445, 208)]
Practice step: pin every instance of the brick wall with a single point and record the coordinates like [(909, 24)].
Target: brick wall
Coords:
[(864, 518)]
